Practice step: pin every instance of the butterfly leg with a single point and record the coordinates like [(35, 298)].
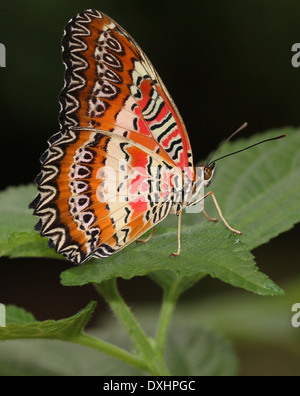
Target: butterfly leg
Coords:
[(206, 215), (210, 218), (178, 234), (147, 239), (220, 212)]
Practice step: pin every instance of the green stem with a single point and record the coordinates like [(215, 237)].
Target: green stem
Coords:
[(168, 305), (172, 291), (109, 291), (109, 349)]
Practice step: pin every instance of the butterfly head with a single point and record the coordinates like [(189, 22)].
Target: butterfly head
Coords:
[(208, 172), (202, 178)]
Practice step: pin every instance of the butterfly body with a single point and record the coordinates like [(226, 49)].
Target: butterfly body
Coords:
[(122, 160)]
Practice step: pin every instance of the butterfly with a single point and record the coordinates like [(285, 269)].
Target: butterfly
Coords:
[(122, 160)]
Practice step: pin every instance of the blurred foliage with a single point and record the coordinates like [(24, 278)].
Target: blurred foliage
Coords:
[(262, 324), (224, 64)]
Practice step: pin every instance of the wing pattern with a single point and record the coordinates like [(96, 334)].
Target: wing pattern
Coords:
[(101, 185)]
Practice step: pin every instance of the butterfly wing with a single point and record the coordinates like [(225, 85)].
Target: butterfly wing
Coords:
[(114, 110), (98, 193), (111, 85)]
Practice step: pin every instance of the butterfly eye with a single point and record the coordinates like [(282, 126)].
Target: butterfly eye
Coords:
[(207, 172)]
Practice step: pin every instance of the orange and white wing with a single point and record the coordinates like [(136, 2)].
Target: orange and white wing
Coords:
[(111, 85), (114, 110), (98, 193)]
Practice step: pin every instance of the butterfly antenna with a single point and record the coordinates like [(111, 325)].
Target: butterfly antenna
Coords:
[(246, 148), (227, 140)]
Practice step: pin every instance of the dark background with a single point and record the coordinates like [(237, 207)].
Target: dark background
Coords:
[(224, 62)]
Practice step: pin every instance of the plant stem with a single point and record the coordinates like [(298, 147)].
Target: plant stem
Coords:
[(168, 305), (152, 359), (172, 291), (109, 291), (109, 349)]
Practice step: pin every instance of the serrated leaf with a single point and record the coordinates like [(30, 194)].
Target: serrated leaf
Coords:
[(259, 205), (259, 189), (222, 255), (25, 244), (23, 325), (190, 351), (17, 235), (258, 192)]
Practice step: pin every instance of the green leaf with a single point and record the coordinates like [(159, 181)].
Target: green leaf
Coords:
[(56, 358), (169, 279), (14, 213), (247, 319), (195, 351), (259, 190), (26, 244), (21, 324), (17, 235), (190, 351), (206, 248), (16, 315)]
